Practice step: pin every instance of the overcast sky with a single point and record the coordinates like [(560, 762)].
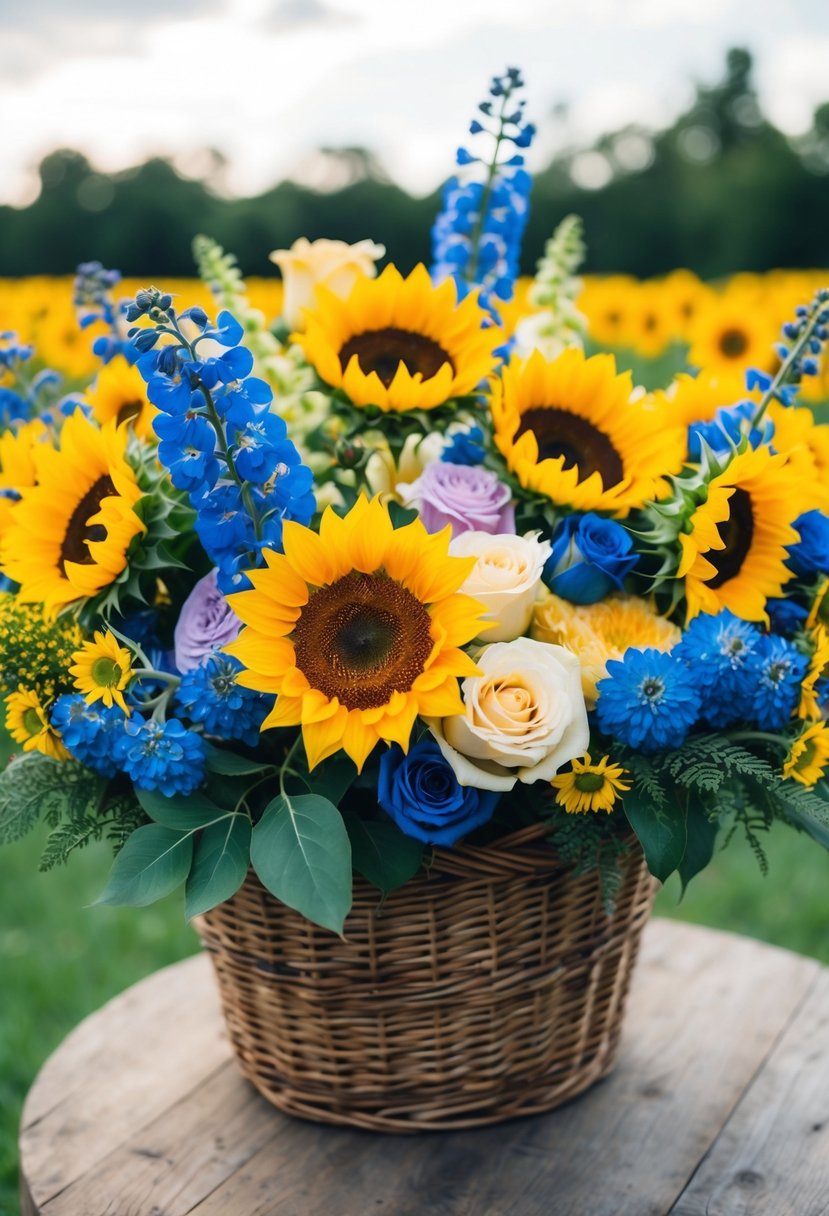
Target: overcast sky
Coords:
[(265, 81)]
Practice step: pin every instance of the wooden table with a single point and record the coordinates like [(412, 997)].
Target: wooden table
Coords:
[(719, 1105)]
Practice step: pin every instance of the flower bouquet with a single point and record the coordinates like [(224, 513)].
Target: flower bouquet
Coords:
[(411, 642)]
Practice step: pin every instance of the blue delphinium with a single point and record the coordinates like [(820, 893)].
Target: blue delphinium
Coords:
[(590, 558), (93, 734), (29, 393), (420, 791), (476, 238), (649, 700), (775, 671), (799, 353), (92, 298), (717, 649), (729, 426), (210, 695), (163, 756), (218, 437)]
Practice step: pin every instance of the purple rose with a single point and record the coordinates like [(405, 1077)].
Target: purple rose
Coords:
[(206, 621), (470, 499)]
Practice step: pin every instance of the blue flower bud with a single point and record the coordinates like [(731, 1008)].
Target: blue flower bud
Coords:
[(591, 557)]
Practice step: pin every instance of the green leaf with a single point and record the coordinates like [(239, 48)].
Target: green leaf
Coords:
[(183, 813), (702, 836), (301, 853), (662, 833), (807, 809), (34, 786), (232, 765), (220, 862), (333, 778), (153, 862), (384, 855)]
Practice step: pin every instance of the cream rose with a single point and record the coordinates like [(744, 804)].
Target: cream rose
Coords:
[(524, 716), (505, 578), (334, 263)]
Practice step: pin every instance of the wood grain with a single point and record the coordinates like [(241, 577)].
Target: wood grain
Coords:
[(724, 1062)]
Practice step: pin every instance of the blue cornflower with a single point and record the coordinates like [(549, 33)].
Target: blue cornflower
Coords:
[(465, 447), (210, 695), (717, 650), (774, 673), (93, 734), (649, 700), (163, 756)]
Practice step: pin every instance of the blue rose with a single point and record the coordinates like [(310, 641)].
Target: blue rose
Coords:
[(424, 798), (811, 554), (786, 616), (590, 558)]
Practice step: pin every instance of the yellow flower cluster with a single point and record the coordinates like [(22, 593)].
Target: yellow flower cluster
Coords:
[(35, 652)]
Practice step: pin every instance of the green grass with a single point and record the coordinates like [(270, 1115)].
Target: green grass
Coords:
[(59, 960)]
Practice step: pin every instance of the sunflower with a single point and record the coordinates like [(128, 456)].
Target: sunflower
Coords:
[(28, 724), (818, 662), (734, 553), (731, 334), (589, 786), (119, 394), (68, 536), (651, 322), (808, 755), (102, 670), (602, 631), (17, 466), (357, 630), (609, 305), (697, 398), (569, 429), (806, 443), (399, 344), (684, 297)]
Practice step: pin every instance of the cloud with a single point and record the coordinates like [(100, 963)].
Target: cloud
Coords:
[(286, 16)]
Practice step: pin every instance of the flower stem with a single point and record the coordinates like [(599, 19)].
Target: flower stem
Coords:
[(785, 368), (477, 232)]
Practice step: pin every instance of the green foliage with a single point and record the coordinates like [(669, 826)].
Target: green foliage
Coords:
[(662, 831), (154, 861), (591, 842), (301, 852), (384, 855), (221, 857)]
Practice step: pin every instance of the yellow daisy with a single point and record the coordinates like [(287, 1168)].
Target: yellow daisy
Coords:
[(589, 786), (357, 630), (809, 705), (67, 537), (734, 552), (569, 429), (119, 394), (102, 670), (602, 631), (808, 755), (28, 724), (399, 344)]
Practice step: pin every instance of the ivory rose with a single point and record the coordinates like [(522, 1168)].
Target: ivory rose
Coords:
[(524, 716), (307, 264), (505, 578)]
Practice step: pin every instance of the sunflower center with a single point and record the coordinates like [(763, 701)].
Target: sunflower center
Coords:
[(736, 533), (128, 412), (32, 722), (383, 350), (362, 639), (583, 446), (733, 343), (105, 673), (589, 783), (79, 532)]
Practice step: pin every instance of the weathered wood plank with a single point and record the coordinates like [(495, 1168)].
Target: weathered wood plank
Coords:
[(125, 1065), (625, 1149), (772, 1157)]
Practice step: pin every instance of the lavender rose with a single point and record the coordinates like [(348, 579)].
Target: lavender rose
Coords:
[(470, 499), (206, 621)]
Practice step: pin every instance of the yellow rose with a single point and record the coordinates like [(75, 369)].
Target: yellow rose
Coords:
[(308, 263), (524, 716)]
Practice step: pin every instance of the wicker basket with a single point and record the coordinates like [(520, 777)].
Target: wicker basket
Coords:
[(491, 988)]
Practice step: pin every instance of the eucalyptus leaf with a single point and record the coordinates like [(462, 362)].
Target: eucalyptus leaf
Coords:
[(301, 852), (154, 861), (183, 813), (384, 855), (230, 764), (662, 832), (221, 857)]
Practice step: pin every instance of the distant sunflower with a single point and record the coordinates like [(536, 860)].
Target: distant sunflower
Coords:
[(568, 429), (17, 466), (119, 394), (357, 630), (734, 554), (400, 344), (806, 443), (67, 537), (684, 297), (27, 722), (651, 328), (589, 786), (732, 333), (697, 398), (609, 305)]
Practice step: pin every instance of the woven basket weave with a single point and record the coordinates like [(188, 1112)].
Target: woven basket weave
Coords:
[(491, 988)]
